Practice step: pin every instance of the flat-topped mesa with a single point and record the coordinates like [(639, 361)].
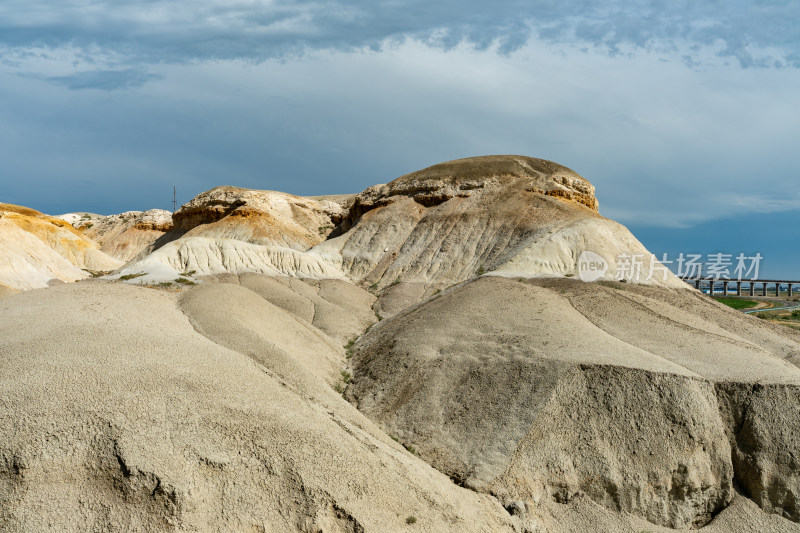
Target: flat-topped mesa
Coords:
[(463, 177), (259, 217), (511, 215)]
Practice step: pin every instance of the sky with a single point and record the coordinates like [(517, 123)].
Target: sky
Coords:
[(684, 115)]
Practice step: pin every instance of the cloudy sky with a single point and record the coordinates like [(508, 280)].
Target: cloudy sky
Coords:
[(685, 115)]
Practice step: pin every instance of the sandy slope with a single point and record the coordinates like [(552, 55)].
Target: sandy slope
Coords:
[(142, 431), (526, 390), (36, 249), (641, 399), (28, 263)]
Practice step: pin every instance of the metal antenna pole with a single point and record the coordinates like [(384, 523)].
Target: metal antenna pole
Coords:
[(174, 204)]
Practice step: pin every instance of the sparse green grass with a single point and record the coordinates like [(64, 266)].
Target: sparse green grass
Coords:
[(395, 282), (481, 270), (97, 273), (736, 303), (411, 520), (185, 281), (348, 348), (346, 376), (410, 449), (126, 277), (374, 286), (189, 273)]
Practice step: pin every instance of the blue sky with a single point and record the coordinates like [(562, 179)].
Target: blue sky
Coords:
[(685, 115)]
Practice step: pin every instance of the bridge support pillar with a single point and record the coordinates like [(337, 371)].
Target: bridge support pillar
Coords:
[(778, 290), (738, 288), (752, 289), (724, 288), (711, 287), (790, 289), (764, 289), (697, 284)]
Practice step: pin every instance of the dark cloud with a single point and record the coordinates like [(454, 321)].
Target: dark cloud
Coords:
[(755, 34), (104, 80)]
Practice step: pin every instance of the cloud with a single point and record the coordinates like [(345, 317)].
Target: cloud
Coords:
[(754, 34), (104, 80)]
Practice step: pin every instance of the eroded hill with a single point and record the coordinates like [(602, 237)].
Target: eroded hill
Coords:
[(420, 356)]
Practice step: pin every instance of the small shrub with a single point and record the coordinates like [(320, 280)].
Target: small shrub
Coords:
[(189, 273), (374, 286), (338, 388), (481, 271), (410, 449), (395, 282), (346, 376), (126, 277), (411, 520), (185, 281)]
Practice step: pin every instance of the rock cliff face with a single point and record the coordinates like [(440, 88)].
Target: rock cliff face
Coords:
[(126, 235), (504, 215), (463, 178), (259, 217), (507, 215)]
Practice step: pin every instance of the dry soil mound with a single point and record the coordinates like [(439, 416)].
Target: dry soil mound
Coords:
[(634, 397), (153, 426), (28, 265)]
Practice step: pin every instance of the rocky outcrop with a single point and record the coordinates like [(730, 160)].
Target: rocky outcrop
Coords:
[(259, 217), (125, 235), (506, 215), (463, 178), (763, 422)]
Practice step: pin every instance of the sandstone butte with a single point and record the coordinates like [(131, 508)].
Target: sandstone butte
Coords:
[(418, 356)]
